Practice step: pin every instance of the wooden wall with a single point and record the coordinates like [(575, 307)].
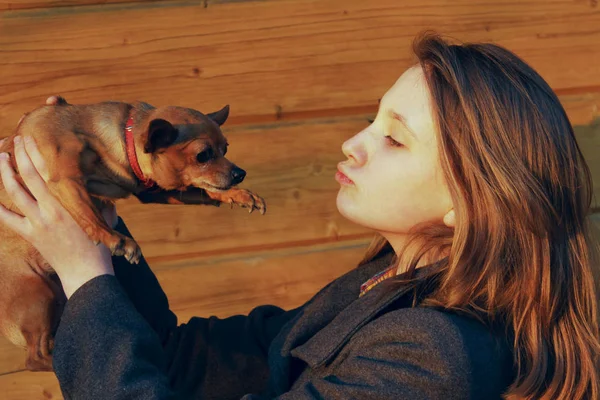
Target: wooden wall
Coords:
[(301, 76)]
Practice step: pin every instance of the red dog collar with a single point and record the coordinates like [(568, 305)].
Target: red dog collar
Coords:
[(132, 156)]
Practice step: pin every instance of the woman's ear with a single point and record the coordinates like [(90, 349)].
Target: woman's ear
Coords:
[(450, 219)]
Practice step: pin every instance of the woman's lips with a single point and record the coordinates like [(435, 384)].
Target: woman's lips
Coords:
[(342, 178)]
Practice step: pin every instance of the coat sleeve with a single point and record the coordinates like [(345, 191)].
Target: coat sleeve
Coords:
[(118, 339), (413, 353), (144, 291)]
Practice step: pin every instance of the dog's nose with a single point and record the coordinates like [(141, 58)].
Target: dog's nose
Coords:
[(237, 175)]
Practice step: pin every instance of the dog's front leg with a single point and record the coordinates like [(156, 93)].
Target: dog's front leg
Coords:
[(74, 197), (241, 197)]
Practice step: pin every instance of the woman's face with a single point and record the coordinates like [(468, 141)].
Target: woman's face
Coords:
[(395, 179)]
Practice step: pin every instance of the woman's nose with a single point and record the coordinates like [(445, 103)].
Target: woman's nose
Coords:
[(354, 149)]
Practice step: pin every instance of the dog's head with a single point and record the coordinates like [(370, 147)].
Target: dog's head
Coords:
[(187, 148)]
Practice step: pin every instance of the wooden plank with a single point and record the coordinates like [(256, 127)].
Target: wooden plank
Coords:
[(582, 108), (286, 278), (30, 386), (29, 4), (299, 57)]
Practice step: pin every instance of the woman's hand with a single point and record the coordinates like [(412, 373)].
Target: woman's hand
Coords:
[(47, 225)]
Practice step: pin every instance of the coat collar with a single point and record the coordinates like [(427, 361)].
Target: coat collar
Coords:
[(326, 343), (325, 323), (313, 317)]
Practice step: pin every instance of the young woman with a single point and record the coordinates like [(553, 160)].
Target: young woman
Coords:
[(480, 284)]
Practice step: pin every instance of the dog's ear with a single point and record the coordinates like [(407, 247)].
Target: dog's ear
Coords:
[(161, 134), (220, 116)]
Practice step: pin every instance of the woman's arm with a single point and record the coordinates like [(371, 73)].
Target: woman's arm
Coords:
[(105, 349), (144, 291), (236, 346)]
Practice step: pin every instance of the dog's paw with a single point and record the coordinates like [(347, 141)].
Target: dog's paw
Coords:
[(39, 354), (246, 199), (121, 245)]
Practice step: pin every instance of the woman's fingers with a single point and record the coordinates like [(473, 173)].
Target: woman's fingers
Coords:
[(32, 169), (52, 101), (39, 164), (19, 196), (13, 220)]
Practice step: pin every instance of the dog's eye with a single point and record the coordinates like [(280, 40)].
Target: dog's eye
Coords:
[(205, 156)]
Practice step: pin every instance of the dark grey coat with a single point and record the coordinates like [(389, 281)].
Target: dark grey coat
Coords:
[(118, 340)]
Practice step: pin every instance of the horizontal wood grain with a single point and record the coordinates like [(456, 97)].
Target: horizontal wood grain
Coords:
[(286, 277), (234, 284), (271, 59), (8, 5), (26, 385), (582, 109)]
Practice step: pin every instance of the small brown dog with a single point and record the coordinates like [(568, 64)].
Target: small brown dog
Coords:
[(98, 153)]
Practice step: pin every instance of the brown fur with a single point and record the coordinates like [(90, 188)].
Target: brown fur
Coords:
[(84, 149)]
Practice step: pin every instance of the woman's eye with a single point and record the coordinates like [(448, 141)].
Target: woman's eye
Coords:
[(393, 142), (205, 156)]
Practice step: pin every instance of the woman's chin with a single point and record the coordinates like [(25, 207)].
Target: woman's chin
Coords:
[(347, 207), (362, 214)]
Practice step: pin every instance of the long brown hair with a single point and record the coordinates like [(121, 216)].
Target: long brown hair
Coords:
[(521, 252)]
